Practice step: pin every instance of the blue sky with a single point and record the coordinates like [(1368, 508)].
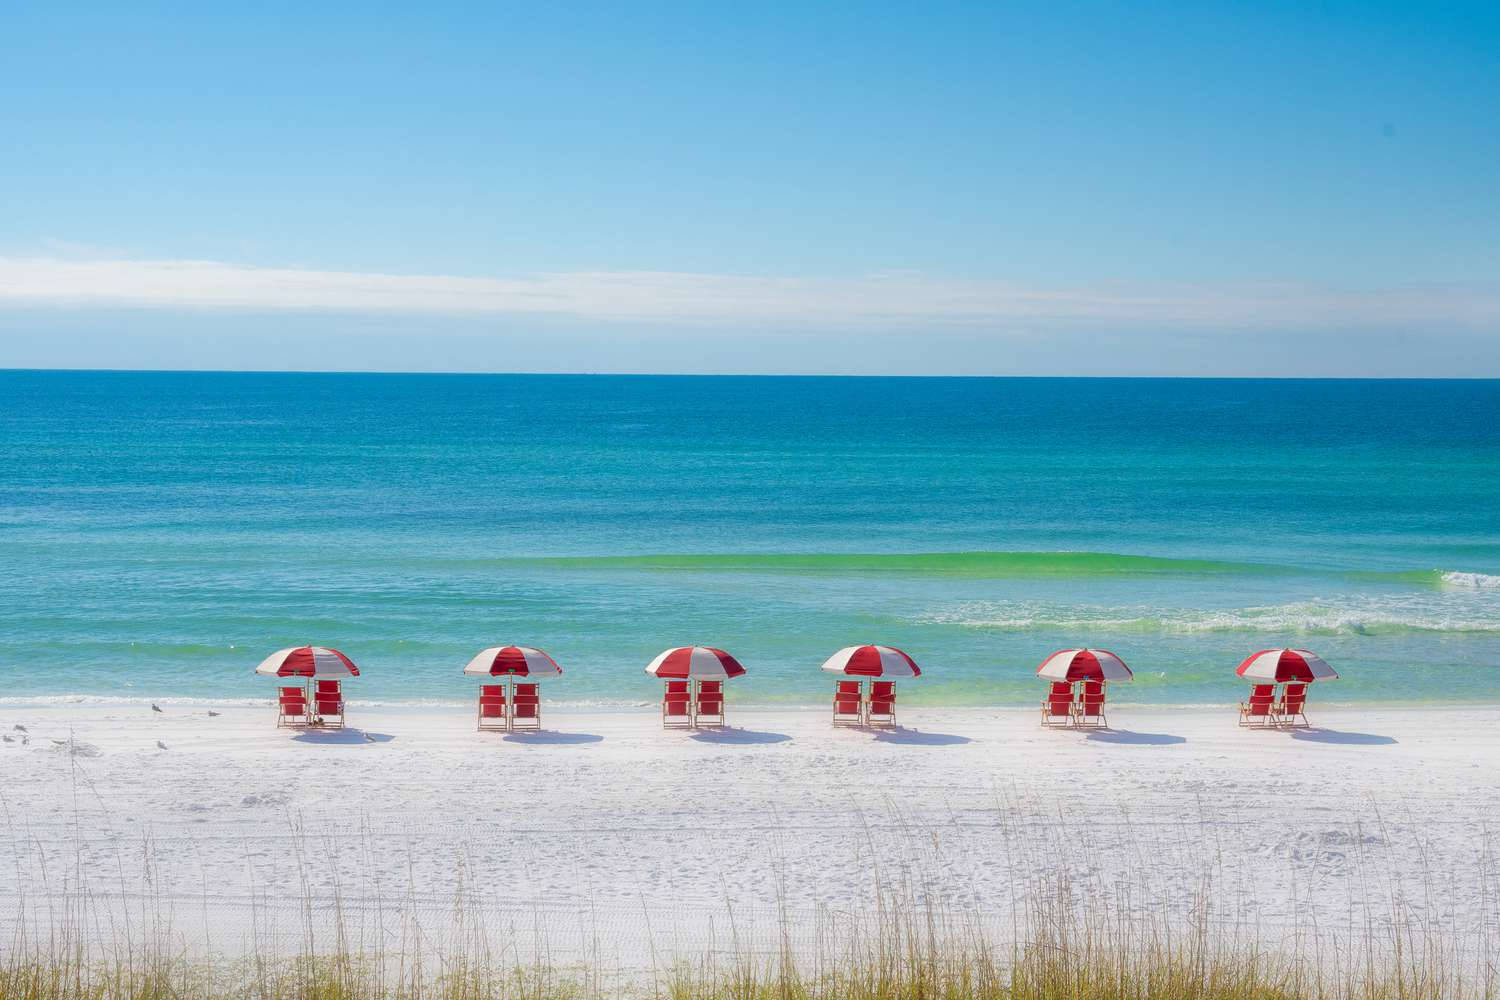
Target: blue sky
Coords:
[(1034, 189)]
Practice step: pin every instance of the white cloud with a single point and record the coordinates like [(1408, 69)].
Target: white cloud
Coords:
[(895, 299)]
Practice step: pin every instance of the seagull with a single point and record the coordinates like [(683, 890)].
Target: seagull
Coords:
[(213, 715), (155, 707), (160, 745), (59, 743), (20, 728), (26, 741), (10, 739)]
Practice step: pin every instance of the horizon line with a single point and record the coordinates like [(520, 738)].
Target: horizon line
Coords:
[(4, 369)]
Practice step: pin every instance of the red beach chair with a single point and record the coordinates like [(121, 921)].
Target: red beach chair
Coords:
[(525, 708), (1091, 706), (492, 707), (677, 706), (848, 703), (1057, 709), (291, 708), (1258, 712), (881, 708), (710, 708), (329, 701), (1293, 701)]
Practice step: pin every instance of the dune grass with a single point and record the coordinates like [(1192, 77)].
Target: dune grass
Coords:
[(1061, 952)]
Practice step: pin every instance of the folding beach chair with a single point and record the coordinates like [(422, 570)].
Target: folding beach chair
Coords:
[(848, 703), (291, 708), (328, 699), (1258, 712), (677, 706), (1057, 709), (880, 710), (709, 710), (492, 707), (1293, 701), (1091, 706), (525, 708)]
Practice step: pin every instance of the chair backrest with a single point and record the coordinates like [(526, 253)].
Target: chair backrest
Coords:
[(525, 691), (1263, 691), (882, 690), (677, 687), (1296, 697), (1093, 690), (1092, 702), (1262, 696), (1060, 698), (293, 694), (329, 687), (492, 692), (846, 688), (710, 687), (329, 705)]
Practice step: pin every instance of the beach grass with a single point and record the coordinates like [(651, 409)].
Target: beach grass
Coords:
[(1060, 952)]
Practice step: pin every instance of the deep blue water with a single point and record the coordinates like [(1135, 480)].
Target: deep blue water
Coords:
[(160, 532)]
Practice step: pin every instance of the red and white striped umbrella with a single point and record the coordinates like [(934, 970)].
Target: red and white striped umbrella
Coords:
[(872, 661), (513, 661), (700, 662), (1084, 665), (307, 661), (1281, 665)]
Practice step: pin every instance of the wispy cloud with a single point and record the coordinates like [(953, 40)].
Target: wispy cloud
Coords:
[(899, 298)]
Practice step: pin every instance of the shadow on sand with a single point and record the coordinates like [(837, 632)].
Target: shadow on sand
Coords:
[(1129, 738), (743, 737), (917, 738), (1342, 738), (547, 737), (341, 737)]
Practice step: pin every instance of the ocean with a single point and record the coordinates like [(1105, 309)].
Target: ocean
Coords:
[(161, 532)]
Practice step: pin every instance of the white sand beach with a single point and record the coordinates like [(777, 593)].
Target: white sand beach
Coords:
[(607, 836)]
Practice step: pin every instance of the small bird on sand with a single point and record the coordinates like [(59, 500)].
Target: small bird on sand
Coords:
[(160, 745), (213, 715), (9, 739), (20, 728), (155, 707), (26, 741)]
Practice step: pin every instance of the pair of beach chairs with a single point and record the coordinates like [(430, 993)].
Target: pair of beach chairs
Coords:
[(1265, 710), (684, 708), (325, 710), (852, 708), (1067, 708), (522, 711)]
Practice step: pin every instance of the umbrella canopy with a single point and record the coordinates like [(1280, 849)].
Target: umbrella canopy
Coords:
[(1281, 665), (307, 661), (872, 661), (513, 661), (1084, 665), (700, 662)]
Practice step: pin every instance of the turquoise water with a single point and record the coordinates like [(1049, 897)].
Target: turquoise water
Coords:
[(160, 533)]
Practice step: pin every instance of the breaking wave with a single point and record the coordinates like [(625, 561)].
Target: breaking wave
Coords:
[(1305, 618)]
